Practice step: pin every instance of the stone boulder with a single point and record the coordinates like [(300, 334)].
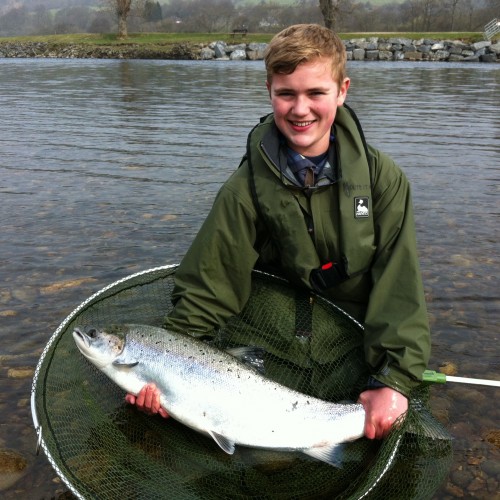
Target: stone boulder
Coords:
[(255, 51)]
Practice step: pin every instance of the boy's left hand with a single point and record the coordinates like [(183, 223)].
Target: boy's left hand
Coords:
[(148, 401), (383, 407)]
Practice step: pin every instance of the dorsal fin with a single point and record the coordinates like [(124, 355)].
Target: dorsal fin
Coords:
[(250, 355)]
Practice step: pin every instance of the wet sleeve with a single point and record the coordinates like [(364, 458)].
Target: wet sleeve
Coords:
[(213, 281), (397, 337)]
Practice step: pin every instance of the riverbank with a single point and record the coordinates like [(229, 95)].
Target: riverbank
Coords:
[(358, 49)]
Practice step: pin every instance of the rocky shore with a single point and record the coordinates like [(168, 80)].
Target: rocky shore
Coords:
[(90, 51), (378, 49), (359, 49)]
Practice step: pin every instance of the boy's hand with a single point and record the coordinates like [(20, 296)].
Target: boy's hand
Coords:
[(148, 401), (383, 407)]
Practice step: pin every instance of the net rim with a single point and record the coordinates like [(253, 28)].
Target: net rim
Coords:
[(41, 443)]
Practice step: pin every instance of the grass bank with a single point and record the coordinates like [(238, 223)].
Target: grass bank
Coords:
[(195, 38)]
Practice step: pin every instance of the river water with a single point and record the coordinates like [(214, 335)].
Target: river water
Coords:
[(109, 167)]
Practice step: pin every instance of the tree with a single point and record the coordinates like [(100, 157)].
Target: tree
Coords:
[(428, 13), (42, 21), (101, 22), (411, 13), (215, 15), (152, 11), (333, 10), (452, 9), (202, 15), (72, 20), (122, 9), (14, 21), (469, 11)]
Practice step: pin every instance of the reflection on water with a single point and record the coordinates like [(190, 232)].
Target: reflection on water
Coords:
[(109, 167)]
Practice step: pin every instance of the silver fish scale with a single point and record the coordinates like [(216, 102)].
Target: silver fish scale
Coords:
[(213, 392)]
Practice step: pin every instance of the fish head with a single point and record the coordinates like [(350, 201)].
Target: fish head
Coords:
[(100, 347)]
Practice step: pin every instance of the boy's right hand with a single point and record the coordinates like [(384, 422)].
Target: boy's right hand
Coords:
[(148, 401)]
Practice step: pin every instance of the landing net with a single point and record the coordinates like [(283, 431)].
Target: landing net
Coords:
[(103, 448)]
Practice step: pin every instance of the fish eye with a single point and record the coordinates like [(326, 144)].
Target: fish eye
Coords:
[(92, 333)]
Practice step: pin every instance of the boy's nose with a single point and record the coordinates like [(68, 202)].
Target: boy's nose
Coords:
[(301, 106)]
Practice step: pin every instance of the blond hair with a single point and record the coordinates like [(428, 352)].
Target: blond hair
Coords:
[(303, 43)]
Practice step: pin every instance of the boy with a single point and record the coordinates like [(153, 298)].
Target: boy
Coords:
[(312, 200)]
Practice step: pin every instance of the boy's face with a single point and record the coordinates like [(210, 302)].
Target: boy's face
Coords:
[(305, 104)]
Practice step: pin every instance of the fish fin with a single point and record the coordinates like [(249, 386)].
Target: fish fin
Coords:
[(123, 361), (331, 455), (226, 444), (250, 355)]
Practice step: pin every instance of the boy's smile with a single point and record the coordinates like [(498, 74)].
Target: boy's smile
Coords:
[(305, 104)]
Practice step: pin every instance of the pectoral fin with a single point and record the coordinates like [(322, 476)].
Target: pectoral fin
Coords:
[(331, 455), (223, 442), (125, 362)]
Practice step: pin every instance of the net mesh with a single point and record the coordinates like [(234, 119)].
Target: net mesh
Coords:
[(103, 448)]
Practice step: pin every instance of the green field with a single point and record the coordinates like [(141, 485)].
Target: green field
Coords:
[(173, 38)]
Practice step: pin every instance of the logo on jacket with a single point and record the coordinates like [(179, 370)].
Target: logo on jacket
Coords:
[(361, 204)]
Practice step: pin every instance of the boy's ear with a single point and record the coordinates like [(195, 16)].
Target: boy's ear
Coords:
[(343, 91), (268, 86)]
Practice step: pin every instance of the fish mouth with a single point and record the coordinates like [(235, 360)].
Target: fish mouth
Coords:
[(84, 337)]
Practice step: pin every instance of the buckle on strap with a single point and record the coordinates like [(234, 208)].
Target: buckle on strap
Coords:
[(328, 275)]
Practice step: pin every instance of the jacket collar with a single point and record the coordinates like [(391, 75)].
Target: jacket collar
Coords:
[(273, 146)]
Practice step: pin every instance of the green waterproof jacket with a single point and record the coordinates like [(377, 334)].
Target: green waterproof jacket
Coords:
[(295, 230)]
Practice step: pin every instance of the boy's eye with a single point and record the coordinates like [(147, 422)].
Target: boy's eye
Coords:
[(286, 93)]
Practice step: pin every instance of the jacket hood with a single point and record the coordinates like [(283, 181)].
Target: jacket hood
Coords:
[(272, 145)]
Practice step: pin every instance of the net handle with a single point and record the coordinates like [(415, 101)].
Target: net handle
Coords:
[(433, 377)]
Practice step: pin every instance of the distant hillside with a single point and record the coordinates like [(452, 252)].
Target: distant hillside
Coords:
[(8, 4), (293, 2), (42, 17)]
